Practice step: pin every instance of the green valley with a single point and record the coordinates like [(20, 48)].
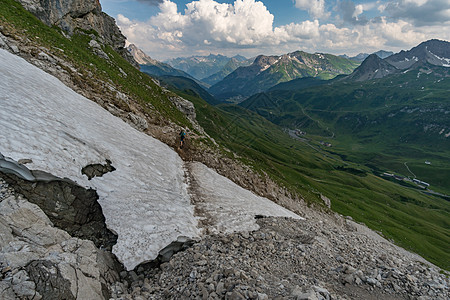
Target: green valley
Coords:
[(414, 220)]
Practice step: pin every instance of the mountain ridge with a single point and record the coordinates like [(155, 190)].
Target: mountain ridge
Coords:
[(434, 52), (267, 71), (201, 67)]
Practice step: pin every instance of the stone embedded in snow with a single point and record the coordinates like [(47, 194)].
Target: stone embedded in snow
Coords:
[(228, 207), (145, 201)]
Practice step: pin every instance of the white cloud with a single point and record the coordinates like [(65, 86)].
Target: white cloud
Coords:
[(315, 8), (359, 9), (306, 30), (419, 12), (246, 27)]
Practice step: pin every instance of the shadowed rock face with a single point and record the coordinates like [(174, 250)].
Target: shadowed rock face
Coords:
[(46, 282), (69, 206)]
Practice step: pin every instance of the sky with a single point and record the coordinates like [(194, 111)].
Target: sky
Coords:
[(167, 29)]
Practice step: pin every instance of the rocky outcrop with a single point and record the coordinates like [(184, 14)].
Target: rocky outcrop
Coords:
[(69, 206), (83, 14), (40, 261), (140, 57)]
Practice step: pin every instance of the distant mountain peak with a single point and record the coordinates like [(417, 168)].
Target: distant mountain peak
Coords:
[(433, 52), (139, 56), (372, 67)]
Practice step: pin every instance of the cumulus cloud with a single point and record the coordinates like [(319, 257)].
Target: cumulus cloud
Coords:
[(419, 12), (246, 27), (315, 8), (246, 22)]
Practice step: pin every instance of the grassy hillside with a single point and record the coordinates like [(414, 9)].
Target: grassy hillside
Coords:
[(380, 123), (188, 86)]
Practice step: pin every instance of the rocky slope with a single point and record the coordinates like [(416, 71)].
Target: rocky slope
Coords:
[(322, 257), (40, 261)]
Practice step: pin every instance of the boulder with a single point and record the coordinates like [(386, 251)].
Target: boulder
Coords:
[(45, 262)]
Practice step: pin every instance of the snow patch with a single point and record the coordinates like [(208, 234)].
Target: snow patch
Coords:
[(447, 60), (264, 68), (145, 201), (228, 207)]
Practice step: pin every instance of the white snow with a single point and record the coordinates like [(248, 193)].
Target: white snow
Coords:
[(229, 207), (447, 60), (265, 68), (145, 200)]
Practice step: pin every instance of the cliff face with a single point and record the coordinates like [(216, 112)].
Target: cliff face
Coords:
[(84, 14)]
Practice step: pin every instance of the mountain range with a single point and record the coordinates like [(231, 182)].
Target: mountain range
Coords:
[(267, 71), (152, 66), (201, 67), (232, 64), (362, 56), (386, 112)]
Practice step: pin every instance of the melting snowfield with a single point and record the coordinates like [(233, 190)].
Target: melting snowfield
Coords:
[(145, 200)]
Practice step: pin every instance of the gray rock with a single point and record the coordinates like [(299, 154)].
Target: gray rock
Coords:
[(94, 44), (262, 296), (2, 42), (14, 49), (296, 291), (6, 291), (83, 14), (45, 262), (310, 295), (220, 289)]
